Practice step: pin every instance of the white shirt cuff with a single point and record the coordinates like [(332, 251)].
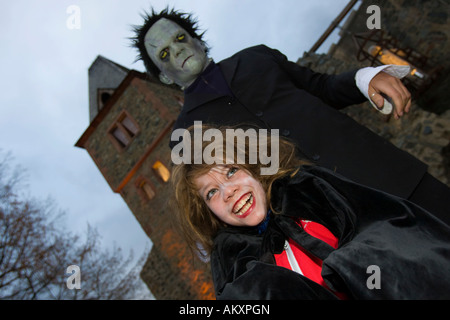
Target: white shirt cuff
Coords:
[(365, 75)]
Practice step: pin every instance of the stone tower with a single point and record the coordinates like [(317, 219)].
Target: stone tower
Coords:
[(131, 118)]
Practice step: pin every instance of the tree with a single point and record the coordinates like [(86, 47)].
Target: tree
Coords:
[(36, 250)]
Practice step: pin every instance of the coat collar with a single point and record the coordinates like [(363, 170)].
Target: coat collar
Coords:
[(195, 99)]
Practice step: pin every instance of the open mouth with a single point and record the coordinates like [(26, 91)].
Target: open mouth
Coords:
[(182, 66), (243, 206)]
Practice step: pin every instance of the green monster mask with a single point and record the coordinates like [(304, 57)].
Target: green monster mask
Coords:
[(180, 57)]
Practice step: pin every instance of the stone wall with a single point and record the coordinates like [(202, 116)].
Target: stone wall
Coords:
[(423, 134), (170, 272), (421, 25), (152, 116)]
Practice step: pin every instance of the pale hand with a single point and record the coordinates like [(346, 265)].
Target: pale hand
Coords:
[(393, 88)]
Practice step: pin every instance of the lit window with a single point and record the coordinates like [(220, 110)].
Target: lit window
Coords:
[(161, 171), (123, 131)]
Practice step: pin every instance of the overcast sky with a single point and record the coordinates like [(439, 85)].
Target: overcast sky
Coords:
[(44, 85)]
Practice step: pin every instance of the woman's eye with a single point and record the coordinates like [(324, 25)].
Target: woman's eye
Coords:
[(163, 55), (210, 194), (231, 172), (180, 37)]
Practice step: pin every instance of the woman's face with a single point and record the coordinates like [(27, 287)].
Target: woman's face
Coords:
[(233, 195)]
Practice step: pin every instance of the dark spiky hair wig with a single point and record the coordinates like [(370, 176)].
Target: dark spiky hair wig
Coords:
[(184, 20)]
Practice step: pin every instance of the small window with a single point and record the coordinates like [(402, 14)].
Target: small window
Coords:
[(103, 96), (148, 190), (145, 189), (123, 131), (161, 171)]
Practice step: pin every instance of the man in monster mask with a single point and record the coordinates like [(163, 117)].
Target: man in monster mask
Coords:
[(259, 86)]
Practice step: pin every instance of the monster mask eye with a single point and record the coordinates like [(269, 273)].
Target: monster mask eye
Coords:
[(164, 54)]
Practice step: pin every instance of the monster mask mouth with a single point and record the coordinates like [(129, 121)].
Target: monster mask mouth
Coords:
[(182, 66)]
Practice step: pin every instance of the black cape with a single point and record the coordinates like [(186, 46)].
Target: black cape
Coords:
[(410, 246)]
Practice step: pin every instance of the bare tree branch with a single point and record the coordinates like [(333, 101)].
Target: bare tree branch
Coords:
[(35, 251)]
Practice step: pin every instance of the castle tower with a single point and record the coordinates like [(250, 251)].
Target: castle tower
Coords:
[(131, 119)]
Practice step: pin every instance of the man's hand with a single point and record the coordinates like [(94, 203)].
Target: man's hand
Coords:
[(393, 88)]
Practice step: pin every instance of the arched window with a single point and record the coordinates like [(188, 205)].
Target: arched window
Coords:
[(103, 96), (145, 188)]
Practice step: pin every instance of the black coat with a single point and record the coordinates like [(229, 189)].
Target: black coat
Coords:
[(271, 92), (410, 246)]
